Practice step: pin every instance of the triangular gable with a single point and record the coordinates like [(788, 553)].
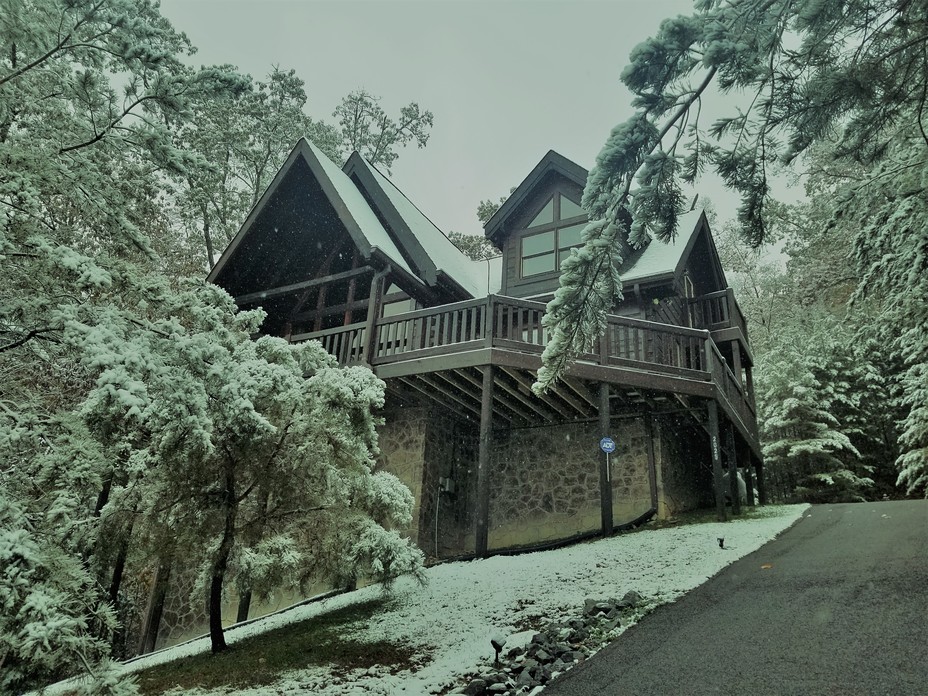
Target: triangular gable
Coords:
[(660, 261), (496, 227), (433, 254), (352, 210)]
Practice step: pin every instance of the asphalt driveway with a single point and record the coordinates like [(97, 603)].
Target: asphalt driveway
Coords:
[(838, 604)]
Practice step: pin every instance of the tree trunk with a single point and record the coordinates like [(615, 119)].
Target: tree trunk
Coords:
[(216, 636), (156, 604), (244, 601), (119, 566), (208, 240), (244, 604)]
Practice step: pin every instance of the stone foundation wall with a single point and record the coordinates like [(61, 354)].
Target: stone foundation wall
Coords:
[(450, 453), (544, 483), (402, 453), (684, 473), (631, 485)]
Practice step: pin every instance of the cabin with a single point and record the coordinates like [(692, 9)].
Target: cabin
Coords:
[(340, 255)]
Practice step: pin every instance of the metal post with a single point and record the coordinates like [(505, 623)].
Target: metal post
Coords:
[(605, 476)]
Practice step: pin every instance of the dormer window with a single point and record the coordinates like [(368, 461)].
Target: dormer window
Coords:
[(550, 236)]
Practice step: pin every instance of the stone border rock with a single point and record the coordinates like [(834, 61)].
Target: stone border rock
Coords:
[(557, 648)]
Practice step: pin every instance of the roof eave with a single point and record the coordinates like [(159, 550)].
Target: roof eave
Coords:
[(552, 161)]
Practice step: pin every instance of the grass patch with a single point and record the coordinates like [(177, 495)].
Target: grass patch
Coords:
[(260, 660)]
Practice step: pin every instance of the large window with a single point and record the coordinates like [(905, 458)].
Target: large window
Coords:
[(550, 236)]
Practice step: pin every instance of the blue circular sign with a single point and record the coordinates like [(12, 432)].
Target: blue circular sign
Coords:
[(607, 445)]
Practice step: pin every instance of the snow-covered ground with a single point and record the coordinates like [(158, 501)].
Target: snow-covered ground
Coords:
[(463, 604)]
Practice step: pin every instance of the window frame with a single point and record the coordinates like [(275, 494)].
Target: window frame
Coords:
[(558, 249)]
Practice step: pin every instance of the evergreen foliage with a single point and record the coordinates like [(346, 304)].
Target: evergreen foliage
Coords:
[(848, 73), (134, 406)]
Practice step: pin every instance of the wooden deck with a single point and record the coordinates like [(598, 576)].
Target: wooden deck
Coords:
[(507, 332)]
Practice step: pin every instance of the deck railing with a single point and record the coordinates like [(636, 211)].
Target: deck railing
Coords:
[(718, 310), (729, 386), (506, 322)]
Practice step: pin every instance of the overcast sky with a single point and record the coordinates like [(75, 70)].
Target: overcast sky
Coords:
[(507, 80)]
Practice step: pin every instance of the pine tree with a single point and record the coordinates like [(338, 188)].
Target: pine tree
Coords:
[(848, 73)]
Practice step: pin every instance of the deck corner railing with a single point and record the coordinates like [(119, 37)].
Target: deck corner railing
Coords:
[(516, 324)]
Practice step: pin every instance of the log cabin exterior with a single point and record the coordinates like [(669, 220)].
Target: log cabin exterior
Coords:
[(341, 256)]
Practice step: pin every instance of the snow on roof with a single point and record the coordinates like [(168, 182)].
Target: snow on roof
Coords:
[(358, 208), (470, 275), (659, 258)]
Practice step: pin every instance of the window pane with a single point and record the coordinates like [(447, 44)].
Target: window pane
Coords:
[(538, 264), (561, 255), (538, 243), (570, 209), (569, 236), (546, 215)]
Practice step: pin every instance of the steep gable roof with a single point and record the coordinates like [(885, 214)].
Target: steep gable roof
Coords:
[(433, 254), (665, 260), (496, 226), (352, 210)]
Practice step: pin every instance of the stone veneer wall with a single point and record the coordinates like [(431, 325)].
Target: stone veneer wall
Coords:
[(451, 448), (631, 484), (684, 474), (402, 453), (544, 483)]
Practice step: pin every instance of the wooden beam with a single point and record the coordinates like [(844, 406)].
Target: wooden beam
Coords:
[(761, 484), (748, 473), (578, 388), (605, 473), (432, 396), (732, 469), (352, 285), (652, 460), (482, 522), (339, 308), (715, 447), (525, 382), (522, 398), (253, 297), (498, 398), (454, 397), (375, 298), (564, 396), (736, 361)]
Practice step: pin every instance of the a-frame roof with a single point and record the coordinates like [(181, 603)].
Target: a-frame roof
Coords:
[(661, 261), (352, 210), (433, 254), (496, 226)]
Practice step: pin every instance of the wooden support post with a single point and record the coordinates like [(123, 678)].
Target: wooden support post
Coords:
[(483, 464), (749, 474), (374, 305), (605, 476), (761, 486), (715, 448), (733, 469), (736, 361), (749, 383), (652, 460)]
